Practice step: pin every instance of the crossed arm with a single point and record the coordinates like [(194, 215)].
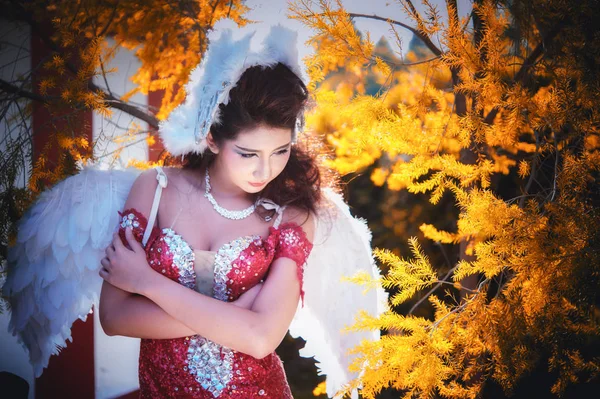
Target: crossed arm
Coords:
[(133, 315), (167, 309), (255, 324)]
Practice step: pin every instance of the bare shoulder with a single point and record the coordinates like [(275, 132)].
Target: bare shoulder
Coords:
[(172, 171), (182, 179), (141, 193), (301, 217), (173, 174)]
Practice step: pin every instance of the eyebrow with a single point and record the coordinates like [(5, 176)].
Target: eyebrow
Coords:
[(250, 150)]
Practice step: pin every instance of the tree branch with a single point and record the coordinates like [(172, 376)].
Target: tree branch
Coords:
[(134, 111), (12, 89), (425, 39), (529, 62), (110, 20), (533, 170), (114, 102), (431, 291)]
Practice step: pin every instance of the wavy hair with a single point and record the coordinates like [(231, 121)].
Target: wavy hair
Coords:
[(273, 96)]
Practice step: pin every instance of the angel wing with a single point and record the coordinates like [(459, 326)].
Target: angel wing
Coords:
[(53, 268), (341, 247)]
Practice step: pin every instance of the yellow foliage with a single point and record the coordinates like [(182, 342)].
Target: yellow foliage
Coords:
[(378, 176), (363, 278), (432, 233), (320, 389), (524, 168), (477, 114), (150, 140), (168, 39), (143, 165), (407, 276)]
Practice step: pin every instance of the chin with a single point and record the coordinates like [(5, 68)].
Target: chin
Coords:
[(253, 190)]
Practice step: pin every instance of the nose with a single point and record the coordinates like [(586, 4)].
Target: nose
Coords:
[(263, 170)]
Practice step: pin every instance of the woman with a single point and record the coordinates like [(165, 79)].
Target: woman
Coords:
[(235, 223)]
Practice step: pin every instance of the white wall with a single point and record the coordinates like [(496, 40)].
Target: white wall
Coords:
[(111, 133)]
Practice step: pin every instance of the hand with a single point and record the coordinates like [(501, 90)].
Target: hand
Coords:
[(125, 268), (247, 298)]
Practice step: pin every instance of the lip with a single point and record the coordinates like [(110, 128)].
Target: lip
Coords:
[(256, 184)]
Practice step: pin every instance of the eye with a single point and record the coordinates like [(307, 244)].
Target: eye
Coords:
[(281, 152), (246, 155)]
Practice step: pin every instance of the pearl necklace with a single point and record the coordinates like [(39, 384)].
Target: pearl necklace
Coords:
[(235, 215)]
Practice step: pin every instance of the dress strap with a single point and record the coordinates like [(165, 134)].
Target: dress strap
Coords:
[(279, 216), (162, 183), (270, 205)]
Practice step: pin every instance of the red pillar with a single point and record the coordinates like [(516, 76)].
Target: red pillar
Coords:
[(156, 149)]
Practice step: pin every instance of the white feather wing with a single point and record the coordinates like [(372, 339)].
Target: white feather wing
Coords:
[(53, 268), (341, 248)]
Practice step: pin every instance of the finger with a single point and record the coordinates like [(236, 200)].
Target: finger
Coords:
[(109, 251), (117, 242), (103, 273), (133, 244), (105, 262)]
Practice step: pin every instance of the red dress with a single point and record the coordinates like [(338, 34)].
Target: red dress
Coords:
[(195, 367)]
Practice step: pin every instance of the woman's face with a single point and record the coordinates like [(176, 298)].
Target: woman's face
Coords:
[(255, 157)]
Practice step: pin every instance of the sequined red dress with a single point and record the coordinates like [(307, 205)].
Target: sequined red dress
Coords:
[(194, 367)]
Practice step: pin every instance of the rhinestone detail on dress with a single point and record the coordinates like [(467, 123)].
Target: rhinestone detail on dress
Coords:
[(211, 364), (183, 257), (224, 259), (128, 221)]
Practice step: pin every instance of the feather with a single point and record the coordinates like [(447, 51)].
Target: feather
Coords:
[(44, 236), (77, 238), (24, 307), (49, 272), (85, 211), (55, 294), (61, 237), (59, 252), (20, 280), (341, 248), (32, 251), (65, 268), (26, 230), (280, 45), (52, 277), (101, 224), (211, 82), (219, 70)]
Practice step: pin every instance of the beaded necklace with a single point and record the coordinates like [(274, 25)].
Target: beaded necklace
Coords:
[(235, 215)]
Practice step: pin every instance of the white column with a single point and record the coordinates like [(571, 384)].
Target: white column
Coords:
[(120, 129), (116, 358)]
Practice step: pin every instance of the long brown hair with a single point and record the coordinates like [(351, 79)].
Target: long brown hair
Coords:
[(273, 96)]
